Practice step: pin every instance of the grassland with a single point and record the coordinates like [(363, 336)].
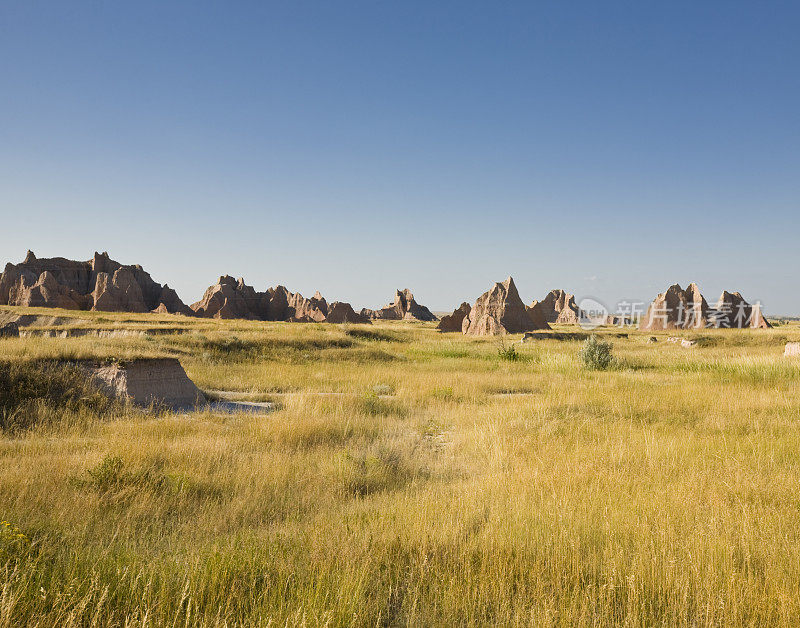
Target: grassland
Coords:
[(440, 485)]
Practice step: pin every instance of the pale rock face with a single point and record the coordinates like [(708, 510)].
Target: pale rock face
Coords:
[(453, 322), (118, 293), (559, 307), (792, 349), (313, 310), (144, 382), (677, 309), (501, 311)]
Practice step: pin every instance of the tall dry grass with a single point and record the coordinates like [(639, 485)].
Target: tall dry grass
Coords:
[(441, 485)]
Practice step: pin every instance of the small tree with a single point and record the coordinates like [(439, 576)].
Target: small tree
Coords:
[(596, 353)]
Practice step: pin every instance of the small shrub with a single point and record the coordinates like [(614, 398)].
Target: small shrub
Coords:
[(596, 353), (507, 352)]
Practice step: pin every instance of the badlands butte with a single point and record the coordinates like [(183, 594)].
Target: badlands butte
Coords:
[(102, 284)]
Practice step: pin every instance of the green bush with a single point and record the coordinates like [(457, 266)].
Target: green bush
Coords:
[(596, 353), (507, 352)]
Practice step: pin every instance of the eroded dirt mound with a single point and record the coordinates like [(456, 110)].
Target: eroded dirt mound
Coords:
[(159, 381)]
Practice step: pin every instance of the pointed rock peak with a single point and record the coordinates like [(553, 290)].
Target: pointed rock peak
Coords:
[(318, 296), (226, 279), (29, 258), (510, 287)]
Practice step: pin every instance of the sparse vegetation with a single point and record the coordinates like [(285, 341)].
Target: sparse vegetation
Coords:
[(442, 487)]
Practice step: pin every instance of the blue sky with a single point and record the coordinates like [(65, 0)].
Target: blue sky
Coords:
[(607, 148)]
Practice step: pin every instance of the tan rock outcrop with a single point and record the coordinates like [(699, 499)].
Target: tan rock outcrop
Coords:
[(45, 291), (231, 298), (144, 382), (99, 284), (501, 311), (559, 307), (687, 309), (732, 311), (340, 312), (404, 307), (677, 309), (791, 349), (313, 310), (453, 322)]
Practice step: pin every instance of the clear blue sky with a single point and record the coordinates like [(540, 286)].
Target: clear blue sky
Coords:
[(607, 148)]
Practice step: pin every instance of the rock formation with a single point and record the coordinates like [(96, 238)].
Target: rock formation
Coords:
[(99, 284), (404, 307), (732, 311), (677, 309), (160, 381), (313, 310), (501, 311), (687, 309), (791, 349), (231, 298), (453, 322), (340, 312), (559, 307)]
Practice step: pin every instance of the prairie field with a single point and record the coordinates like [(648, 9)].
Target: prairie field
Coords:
[(405, 477)]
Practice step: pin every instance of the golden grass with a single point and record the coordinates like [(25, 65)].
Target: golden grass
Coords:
[(443, 486)]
